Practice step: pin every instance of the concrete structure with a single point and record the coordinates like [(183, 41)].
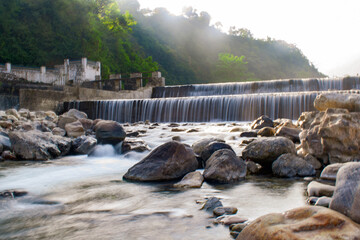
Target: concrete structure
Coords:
[(71, 72)]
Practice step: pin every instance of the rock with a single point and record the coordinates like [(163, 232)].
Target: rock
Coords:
[(87, 123), (191, 180), (174, 125), (330, 171), (74, 113), (238, 227), (40, 115), (236, 129), (228, 220), (1, 148), (252, 167), (6, 124), (109, 132), (348, 101), (63, 120), (36, 145), (178, 130), (219, 211), (323, 201), (346, 197), (176, 138), (137, 145), (211, 204), (5, 141), (224, 167), (8, 155), (213, 147), (261, 122), (309, 222), (59, 131), (320, 189), (51, 116), (25, 113), (200, 145), (333, 136), (192, 130), (248, 134), (266, 132), (12, 194), (266, 150), (169, 161), (290, 165), (13, 112), (284, 122), (83, 144), (290, 133), (74, 129), (234, 234), (313, 161)]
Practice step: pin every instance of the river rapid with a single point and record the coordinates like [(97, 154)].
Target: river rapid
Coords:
[(81, 197)]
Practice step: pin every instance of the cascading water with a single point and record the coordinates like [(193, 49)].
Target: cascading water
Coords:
[(276, 99)]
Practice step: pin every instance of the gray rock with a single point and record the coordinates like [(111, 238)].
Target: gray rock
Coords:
[(213, 147), (109, 132), (252, 167), (84, 144), (5, 141), (323, 201), (290, 165), (330, 171), (211, 204), (63, 120), (169, 161), (191, 180), (75, 114), (313, 161), (346, 198), (200, 145), (266, 150), (59, 132), (320, 189), (224, 167)]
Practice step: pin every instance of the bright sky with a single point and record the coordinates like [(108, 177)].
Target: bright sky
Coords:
[(327, 31)]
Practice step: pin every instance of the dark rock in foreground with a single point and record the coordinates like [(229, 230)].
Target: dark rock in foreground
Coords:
[(169, 161), (109, 132), (224, 167)]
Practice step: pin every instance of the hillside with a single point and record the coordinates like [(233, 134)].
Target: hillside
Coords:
[(186, 49)]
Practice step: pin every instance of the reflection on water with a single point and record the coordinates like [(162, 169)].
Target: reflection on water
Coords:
[(85, 198)]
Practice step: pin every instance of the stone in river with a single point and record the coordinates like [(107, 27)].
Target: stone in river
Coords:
[(330, 171), (320, 189), (109, 132), (191, 180), (290, 165), (263, 121), (169, 161), (224, 210), (211, 204)]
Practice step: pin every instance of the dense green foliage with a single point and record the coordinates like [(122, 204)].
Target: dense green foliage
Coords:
[(186, 49)]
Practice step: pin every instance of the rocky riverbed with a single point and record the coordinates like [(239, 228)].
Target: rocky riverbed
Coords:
[(129, 175)]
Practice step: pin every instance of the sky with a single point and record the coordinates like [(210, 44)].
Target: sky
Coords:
[(326, 31)]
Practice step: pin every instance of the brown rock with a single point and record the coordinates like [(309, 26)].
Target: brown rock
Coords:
[(290, 133), (74, 129), (320, 189), (191, 180), (219, 211), (290, 165), (266, 132), (228, 220), (348, 101), (308, 222), (263, 121), (63, 120)]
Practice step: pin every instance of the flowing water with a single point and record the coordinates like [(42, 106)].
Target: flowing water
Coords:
[(82, 197)]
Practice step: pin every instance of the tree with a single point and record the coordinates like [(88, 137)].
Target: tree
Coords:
[(231, 68)]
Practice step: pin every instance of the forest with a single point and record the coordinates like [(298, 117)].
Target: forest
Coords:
[(125, 38)]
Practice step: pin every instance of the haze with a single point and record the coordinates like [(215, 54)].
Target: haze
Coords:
[(325, 30)]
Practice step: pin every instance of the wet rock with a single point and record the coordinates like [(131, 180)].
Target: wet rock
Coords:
[(224, 167), (191, 180), (228, 220), (348, 101), (291, 133), (330, 171), (313, 161), (302, 223), (323, 201), (169, 161), (59, 131), (320, 189), (5, 141), (253, 167), (211, 204), (200, 145), (109, 132), (83, 144), (261, 122), (266, 132), (74, 129), (346, 197), (248, 134), (219, 211), (12, 194), (8, 155), (36, 145), (266, 150), (178, 130), (211, 148), (290, 165), (333, 136), (137, 145)]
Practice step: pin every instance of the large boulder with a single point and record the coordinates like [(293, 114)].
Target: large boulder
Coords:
[(310, 222), (109, 132), (346, 197), (266, 150), (224, 167), (75, 114), (347, 101), (290, 165), (36, 145), (261, 122), (213, 147), (75, 129), (169, 161), (333, 136), (83, 144)]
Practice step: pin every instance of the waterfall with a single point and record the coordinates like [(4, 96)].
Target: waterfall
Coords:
[(289, 85), (219, 102)]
